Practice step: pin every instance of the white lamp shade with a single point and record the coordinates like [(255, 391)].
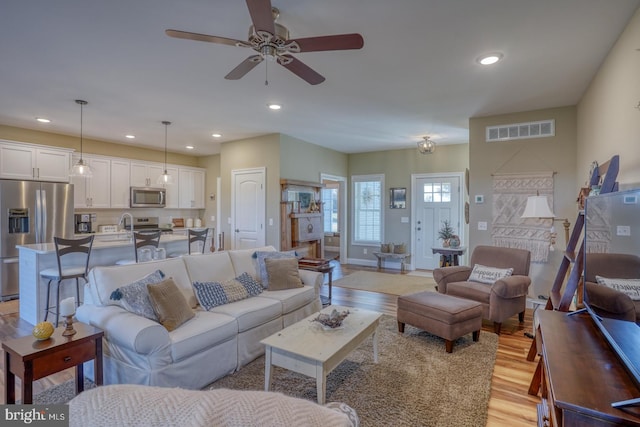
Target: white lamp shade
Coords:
[(537, 207)]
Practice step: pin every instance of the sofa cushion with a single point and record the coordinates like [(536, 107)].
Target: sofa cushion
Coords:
[(475, 291), (261, 256), (210, 267), (630, 287), (251, 312), (134, 297), (244, 260), (213, 294), (205, 331), (489, 275), (282, 273), (292, 299), (169, 304), (106, 279)]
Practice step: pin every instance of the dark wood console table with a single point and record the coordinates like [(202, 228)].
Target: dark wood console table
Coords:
[(581, 376)]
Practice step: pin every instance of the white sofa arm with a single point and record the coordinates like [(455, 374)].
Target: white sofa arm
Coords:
[(125, 329), (312, 278)]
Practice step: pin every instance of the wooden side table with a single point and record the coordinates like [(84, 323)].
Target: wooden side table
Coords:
[(321, 266), (449, 256), (30, 359)]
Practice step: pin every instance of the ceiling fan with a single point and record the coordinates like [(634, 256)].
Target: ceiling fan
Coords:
[(271, 41)]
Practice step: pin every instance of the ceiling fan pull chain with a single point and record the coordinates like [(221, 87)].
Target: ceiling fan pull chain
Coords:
[(266, 77)]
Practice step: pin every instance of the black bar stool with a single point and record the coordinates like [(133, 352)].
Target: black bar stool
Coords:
[(72, 271)]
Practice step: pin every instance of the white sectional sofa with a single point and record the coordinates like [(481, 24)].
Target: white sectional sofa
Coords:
[(213, 344)]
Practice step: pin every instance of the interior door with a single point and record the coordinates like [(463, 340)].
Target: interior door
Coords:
[(248, 204), (435, 199)]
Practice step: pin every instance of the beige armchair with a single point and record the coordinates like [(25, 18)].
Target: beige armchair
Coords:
[(605, 301), (500, 300)]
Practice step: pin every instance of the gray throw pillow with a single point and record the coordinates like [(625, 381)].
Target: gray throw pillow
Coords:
[(283, 274), (134, 297)]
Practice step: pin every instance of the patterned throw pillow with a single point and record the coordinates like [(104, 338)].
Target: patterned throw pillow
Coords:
[(283, 274), (262, 268), (213, 294), (488, 275), (169, 304), (630, 287), (135, 297)]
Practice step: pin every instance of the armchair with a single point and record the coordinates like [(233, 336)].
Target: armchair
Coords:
[(500, 300), (609, 302)]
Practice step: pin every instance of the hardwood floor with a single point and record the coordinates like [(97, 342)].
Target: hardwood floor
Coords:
[(510, 405)]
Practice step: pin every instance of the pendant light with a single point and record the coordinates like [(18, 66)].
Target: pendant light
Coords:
[(165, 178), (427, 146), (81, 168)]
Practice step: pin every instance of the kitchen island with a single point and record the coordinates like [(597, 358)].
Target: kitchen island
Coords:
[(37, 257)]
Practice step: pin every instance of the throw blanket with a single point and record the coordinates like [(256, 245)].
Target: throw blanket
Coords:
[(510, 193), (136, 405)]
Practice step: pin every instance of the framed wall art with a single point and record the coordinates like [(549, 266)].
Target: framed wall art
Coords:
[(398, 198)]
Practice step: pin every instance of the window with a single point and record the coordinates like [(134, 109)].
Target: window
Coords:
[(437, 192), (367, 208), (330, 208)]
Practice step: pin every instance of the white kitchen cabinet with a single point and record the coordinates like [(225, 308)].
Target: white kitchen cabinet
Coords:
[(33, 162), (191, 188), (94, 192), (145, 174), (120, 175)]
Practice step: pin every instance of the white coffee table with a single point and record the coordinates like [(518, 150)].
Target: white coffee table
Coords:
[(305, 347)]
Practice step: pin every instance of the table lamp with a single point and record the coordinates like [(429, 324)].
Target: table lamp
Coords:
[(538, 207)]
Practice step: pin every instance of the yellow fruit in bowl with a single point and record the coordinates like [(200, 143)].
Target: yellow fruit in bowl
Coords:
[(43, 330)]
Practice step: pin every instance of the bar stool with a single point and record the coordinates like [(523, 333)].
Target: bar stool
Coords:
[(142, 239), (73, 271), (194, 236)]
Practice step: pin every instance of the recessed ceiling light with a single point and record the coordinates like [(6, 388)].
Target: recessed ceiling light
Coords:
[(43, 120), (189, 147), (275, 106), (216, 135), (490, 58), (130, 136)]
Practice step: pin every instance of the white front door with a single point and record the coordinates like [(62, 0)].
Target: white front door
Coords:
[(248, 208), (436, 197)]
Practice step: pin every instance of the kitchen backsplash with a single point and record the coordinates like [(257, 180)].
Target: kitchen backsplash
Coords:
[(111, 216)]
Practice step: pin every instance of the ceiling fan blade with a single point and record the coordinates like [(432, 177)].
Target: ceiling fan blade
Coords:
[(300, 69), (335, 42), (205, 38), (244, 67), (261, 15)]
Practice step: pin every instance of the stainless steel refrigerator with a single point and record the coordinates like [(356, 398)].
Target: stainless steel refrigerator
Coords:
[(30, 212)]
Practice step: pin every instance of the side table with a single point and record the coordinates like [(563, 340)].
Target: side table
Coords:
[(319, 265), (449, 256), (30, 359), (386, 255)]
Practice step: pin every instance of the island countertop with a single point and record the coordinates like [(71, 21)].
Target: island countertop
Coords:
[(118, 241), (36, 257)]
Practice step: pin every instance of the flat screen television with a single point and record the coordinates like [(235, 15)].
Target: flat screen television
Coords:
[(612, 227)]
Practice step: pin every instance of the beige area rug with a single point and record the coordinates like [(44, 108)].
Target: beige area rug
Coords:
[(415, 383), (9, 307), (394, 284)]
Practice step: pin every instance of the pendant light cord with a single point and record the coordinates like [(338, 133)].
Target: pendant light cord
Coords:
[(82, 104), (166, 124)]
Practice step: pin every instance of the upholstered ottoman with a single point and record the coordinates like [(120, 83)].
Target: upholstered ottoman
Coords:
[(439, 314)]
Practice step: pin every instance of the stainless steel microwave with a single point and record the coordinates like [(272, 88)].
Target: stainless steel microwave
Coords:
[(148, 197)]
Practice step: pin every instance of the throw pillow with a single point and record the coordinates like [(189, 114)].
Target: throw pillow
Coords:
[(213, 294), (629, 287), (169, 304), (283, 274), (488, 275), (134, 297), (262, 268)]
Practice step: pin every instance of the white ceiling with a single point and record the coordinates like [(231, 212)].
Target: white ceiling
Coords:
[(416, 74)]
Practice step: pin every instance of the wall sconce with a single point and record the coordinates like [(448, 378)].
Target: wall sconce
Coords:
[(427, 146), (538, 207)]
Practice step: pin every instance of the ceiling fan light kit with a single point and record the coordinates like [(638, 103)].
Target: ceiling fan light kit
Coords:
[(271, 41)]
